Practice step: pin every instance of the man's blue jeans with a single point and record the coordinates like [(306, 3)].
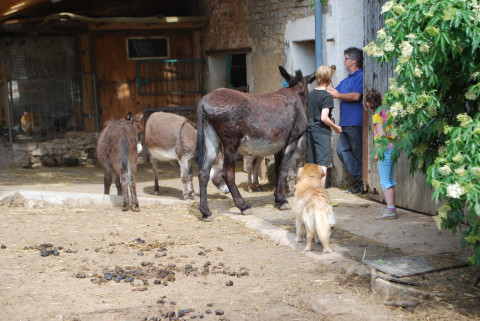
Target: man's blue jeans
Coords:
[(349, 150)]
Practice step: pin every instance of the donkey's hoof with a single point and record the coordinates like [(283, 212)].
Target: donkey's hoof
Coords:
[(208, 218), (157, 193), (247, 211), (124, 208), (284, 206), (195, 197), (136, 208)]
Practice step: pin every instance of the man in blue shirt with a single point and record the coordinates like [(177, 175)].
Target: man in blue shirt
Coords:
[(350, 92)]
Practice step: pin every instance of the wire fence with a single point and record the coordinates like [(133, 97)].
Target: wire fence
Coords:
[(44, 108)]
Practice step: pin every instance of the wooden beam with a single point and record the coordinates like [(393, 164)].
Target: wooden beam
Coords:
[(11, 7), (144, 26)]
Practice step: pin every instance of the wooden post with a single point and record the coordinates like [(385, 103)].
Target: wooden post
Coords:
[(5, 94)]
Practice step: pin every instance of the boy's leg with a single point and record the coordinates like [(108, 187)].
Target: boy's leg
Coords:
[(310, 147)]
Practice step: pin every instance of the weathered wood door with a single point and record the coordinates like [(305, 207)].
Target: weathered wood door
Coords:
[(117, 86), (412, 191)]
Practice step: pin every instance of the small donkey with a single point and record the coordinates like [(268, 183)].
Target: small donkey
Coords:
[(117, 152)]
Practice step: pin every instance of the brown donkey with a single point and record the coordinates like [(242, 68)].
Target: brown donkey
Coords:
[(171, 138), (254, 125), (117, 152)]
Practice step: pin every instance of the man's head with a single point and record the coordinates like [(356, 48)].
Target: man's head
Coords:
[(353, 59)]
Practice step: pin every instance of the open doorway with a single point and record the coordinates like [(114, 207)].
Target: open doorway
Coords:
[(237, 67), (227, 70), (302, 56)]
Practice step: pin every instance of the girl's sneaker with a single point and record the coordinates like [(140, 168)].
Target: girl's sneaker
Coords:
[(387, 214)]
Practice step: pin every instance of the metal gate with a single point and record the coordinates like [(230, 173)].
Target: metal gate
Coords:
[(173, 76)]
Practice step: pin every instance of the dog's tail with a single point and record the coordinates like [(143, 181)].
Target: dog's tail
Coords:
[(323, 218)]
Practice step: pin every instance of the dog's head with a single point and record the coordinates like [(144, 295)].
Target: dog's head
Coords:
[(310, 170)]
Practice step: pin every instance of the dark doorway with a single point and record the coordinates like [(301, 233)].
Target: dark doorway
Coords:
[(237, 67)]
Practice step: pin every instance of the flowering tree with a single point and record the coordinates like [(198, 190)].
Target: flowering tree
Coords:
[(434, 100)]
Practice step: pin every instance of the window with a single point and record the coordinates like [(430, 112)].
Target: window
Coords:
[(148, 48)]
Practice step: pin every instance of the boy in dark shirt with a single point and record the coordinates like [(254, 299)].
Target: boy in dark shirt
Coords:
[(320, 124)]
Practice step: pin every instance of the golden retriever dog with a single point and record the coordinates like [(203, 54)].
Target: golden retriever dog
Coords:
[(314, 213)]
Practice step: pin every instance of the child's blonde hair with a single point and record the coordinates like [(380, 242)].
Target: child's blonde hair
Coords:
[(323, 74)]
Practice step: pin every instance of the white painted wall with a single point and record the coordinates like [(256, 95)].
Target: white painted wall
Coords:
[(216, 72), (300, 35), (343, 22), (343, 25)]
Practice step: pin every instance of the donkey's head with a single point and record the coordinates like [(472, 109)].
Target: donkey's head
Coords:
[(298, 79), (136, 120), (138, 126), (216, 173)]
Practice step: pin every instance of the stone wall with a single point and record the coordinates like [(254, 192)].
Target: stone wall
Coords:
[(75, 148), (255, 24)]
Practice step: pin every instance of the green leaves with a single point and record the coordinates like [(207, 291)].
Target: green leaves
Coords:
[(436, 87)]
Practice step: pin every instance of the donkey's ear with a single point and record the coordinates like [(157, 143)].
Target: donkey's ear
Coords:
[(129, 116), (139, 116), (310, 78), (284, 73)]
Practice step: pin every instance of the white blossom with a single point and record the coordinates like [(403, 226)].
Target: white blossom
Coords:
[(381, 34), (418, 72), (410, 36), (470, 95), (455, 191), (389, 46), (475, 171), (460, 171), (406, 48), (387, 6), (445, 170), (424, 48), (464, 119)]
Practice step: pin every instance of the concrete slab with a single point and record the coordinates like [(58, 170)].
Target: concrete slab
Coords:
[(418, 264), (73, 199)]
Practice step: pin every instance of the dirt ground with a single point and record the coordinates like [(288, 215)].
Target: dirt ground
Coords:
[(164, 263)]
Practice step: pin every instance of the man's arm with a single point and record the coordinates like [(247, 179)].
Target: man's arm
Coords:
[(353, 96)]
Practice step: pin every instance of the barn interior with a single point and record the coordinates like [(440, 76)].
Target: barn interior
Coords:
[(73, 65)]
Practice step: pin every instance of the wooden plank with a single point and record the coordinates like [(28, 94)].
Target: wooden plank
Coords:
[(87, 85), (5, 95)]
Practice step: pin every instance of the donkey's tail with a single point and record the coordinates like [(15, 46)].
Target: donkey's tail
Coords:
[(200, 147), (124, 146)]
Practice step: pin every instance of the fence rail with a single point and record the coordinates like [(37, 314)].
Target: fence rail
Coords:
[(173, 76)]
